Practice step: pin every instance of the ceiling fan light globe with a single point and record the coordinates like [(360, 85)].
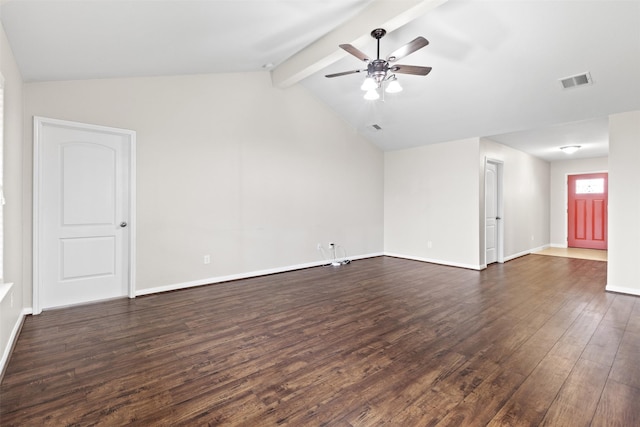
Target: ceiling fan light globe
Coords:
[(372, 95), (369, 84), (393, 87)]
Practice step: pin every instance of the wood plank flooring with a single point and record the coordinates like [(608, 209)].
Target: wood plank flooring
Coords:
[(381, 341)]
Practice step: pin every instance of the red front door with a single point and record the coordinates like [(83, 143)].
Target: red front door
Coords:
[(587, 211)]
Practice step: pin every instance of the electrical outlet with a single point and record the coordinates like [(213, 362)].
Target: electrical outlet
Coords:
[(207, 259), (429, 244)]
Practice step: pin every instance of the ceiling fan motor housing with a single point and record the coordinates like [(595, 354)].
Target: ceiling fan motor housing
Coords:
[(377, 69)]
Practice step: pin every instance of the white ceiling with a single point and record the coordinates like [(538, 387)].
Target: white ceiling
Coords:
[(80, 39), (592, 136), (496, 64)]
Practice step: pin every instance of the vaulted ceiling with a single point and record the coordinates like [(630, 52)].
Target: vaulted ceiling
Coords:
[(496, 63)]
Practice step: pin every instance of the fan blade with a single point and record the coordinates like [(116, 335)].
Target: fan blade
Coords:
[(344, 73), (355, 52), (411, 69), (407, 49)]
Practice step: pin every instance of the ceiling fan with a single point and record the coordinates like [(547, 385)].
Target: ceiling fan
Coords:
[(381, 71)]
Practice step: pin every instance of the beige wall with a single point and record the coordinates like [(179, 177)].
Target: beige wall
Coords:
[(431, 195), (229, 166), (623, 269), (10, 314), (558, 201)]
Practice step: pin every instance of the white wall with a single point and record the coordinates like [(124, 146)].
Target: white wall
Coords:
[(435, 193), (10, 314), (229, 166), (526, 198), (558, 200), (432, 195), (623, 269)]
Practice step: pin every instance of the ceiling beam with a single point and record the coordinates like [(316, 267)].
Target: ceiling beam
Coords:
[(386, 14)]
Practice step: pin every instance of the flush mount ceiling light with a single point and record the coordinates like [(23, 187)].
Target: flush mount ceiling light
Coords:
[(381, 72), (570, 149)]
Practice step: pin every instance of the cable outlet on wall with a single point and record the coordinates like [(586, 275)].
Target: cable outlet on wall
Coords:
[(207, 259)]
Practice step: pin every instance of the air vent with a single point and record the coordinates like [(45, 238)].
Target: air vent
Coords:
[(577, 80), (376, 127)]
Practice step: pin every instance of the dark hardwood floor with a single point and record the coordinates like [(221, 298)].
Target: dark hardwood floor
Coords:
[(535, 341)]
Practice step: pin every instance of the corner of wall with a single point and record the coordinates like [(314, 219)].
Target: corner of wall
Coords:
[(11, 306)]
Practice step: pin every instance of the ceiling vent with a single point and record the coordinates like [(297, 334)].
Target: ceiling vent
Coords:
[(376, 127), (577, 80)]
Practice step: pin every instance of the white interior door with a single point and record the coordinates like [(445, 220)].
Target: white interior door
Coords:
[(84, 213), (491, 212)]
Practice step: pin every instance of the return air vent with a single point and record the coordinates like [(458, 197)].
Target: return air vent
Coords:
[(577, 80)]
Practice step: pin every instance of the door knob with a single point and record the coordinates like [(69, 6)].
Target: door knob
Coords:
[(123, 224), (498, 217)]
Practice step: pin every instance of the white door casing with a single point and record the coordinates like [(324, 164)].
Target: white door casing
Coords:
[(84, 213), (493, 212)]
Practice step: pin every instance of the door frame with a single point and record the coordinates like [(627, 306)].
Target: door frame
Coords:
[(500, 200), (130, 165), (566, 201)]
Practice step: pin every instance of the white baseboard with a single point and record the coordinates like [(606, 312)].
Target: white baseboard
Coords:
[(559, 245), (435, 261), (6, 353), (371, 255), (523, 253), (228, 278), (518, 255), (623, 290), (461, 265)]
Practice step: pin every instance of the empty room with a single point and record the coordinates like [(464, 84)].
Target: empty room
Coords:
[(320, 213)]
